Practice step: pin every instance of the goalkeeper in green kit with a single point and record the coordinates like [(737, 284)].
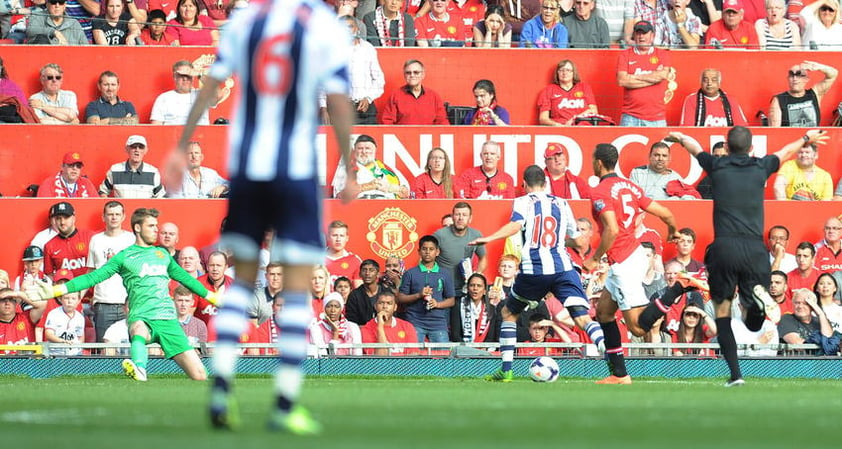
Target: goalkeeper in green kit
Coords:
[(146, 271)]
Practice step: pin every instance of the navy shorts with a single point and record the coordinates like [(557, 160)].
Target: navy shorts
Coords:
[(566, 286), (293, 208), (733, 262)]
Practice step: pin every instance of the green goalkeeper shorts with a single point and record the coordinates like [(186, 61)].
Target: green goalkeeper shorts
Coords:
[(170, 335)]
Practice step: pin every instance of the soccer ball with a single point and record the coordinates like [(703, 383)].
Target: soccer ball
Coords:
[(543, 369)]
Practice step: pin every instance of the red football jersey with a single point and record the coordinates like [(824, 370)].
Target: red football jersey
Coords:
[(826, 260), (347, 265), (564, 104), (645, 103), (626, 200), (204, 309), (19, 331), (68, 252)]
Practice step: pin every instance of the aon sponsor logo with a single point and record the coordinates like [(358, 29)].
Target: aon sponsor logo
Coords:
[(153, 270), (568, 103), (73, 264)]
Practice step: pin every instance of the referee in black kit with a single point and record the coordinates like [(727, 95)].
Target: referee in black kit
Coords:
[(737, 257)]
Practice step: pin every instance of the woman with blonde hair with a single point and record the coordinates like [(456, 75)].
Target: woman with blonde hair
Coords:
[(821, 25), (775, 31), (319, 288), (545, 30), (436, 181)]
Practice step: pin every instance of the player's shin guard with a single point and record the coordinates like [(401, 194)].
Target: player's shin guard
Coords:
[(659, 307), (728, 345), (614, 349), (230, 322), (508, 338), (138, 351), (292, 344)]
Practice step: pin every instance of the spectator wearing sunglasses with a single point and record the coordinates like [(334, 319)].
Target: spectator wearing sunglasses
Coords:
[(52, 26), (799, 106), (822, 25), (53, 105)]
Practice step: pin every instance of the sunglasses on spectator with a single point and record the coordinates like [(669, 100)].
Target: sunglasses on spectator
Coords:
[(826, 8), (57, 2), (798, 74), (53, 77), (413, 72), (137, 145), (693, 314), (75, 165)]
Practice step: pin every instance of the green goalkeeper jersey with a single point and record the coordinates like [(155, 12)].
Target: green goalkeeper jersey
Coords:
[(146, 273)]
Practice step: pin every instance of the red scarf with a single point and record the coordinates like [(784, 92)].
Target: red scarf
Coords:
[(483, 116)]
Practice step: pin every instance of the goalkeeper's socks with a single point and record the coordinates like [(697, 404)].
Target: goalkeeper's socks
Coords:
[(614, 348), (292, 322), (139, 353), (508, 338)]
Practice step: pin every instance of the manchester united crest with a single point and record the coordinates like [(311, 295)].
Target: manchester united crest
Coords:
[(392, 232)]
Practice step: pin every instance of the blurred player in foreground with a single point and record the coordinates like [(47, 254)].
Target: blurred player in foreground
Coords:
[(284, 53)]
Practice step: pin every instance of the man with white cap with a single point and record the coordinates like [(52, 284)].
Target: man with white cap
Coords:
[(731, 30), (68, 182), (133, 178)]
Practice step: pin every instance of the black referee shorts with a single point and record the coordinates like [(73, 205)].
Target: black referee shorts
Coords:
[(733, 262)]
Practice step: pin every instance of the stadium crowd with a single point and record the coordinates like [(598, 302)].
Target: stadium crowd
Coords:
[(445, 292)]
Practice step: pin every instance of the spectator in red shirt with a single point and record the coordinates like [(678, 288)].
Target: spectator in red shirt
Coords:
[(566, 98), (385, 328), (684, 251), (562, 182), (339, 261), (731, 31), (644, 73), (68, 249), (441, 28), (436, 181), (487, 181), (539, 332), (215, 280), (18, 328), (154, 33), (829, 250), (696, 326), (778, 291), (806, 275), (710, 106), (68, 182), (412, 104)]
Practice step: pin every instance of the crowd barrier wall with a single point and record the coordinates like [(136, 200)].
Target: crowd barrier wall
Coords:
[(29, 154), (380, 227), (749, 77)]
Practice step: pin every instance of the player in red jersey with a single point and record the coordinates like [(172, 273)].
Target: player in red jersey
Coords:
[(615, 204)]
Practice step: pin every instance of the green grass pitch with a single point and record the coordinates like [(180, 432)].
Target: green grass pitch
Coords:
[(117, 413)]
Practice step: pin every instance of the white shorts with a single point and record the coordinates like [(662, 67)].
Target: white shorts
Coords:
[(625, 281)]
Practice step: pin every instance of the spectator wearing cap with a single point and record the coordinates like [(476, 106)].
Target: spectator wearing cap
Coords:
[(585, 29), (52, 104), (487, 180), (412, 103), (33, 264), (644, 72), (109, 109), (173, 106), (731, 31), (69, 249), (59, 277), (567, 98), (43, 236), (68, 182), (560, 180), (133, 178), (18, 327)]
